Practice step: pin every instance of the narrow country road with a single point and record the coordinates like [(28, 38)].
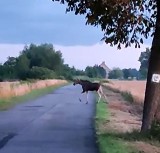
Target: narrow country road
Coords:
[(55, 123)]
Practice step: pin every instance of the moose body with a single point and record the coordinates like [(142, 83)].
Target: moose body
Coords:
[(89, 86)]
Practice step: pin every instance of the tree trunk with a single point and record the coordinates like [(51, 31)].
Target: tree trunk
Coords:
[(152, 93)]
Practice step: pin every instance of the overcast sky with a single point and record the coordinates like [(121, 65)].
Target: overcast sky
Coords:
[(42, 21)]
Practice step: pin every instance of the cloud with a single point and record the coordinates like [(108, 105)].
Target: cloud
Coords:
[(44, 21)]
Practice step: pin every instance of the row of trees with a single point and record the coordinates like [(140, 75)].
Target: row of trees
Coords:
[(37, 62), (118, 73), (95, 72), (140, 74), (43, 62)]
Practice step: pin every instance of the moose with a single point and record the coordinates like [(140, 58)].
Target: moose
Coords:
[(89, 86)]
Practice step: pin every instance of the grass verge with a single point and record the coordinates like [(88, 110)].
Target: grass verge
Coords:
[(127, 96), (8, 103), (108, 142)]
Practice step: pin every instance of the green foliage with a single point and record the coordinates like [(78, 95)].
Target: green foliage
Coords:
[(130, 73), (122, 21), (8, 69), (37, 62), (41, 73), (127, 96), (101, 112), (69, 73), (43, 56), (144, 60), (108, 142), (22, 67), (116, 73), (95, 72), (127, 74), (155, 130)]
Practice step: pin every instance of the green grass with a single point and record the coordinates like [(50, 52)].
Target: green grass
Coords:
[(101, 112), (8, 103), (109, 142)]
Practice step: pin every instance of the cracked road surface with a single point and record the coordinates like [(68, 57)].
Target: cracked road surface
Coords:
[(54, 123)]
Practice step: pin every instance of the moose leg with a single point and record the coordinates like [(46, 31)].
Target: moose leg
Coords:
[(87, 97), (80, 98), (99, 94)]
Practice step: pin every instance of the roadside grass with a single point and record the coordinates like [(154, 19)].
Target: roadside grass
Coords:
[(109, 142), (127, 96), (8, 103)]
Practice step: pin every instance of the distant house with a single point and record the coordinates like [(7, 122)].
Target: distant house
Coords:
[(106, 68)]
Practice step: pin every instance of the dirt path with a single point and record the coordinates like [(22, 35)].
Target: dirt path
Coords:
[(126, 117)]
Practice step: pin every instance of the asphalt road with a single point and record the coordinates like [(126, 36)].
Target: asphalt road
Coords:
[(55, 123)]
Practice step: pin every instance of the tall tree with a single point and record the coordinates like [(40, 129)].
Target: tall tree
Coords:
[(95, 71), (44, 56), (90, 72), (9, 68), (22, 67), (144, 60), (126, 22)]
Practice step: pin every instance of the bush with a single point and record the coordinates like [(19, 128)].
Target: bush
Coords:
[(68, 76), (155, 130), (127, 96), (41, 73), (60, 77)]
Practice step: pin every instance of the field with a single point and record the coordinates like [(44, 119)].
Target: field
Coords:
[(14, 89), (135, 88)]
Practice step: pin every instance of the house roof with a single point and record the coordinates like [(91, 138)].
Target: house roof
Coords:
[(105, 66)]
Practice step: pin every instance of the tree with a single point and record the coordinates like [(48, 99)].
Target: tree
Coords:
[(130, 73), (144, 60), (127, 22), (1, 72), (44, 56), (41, 73), (95, 72), (9, 68), (90, 72), (22, 67), (126, 73), (101, 72), (116, 73), (37, 62)]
